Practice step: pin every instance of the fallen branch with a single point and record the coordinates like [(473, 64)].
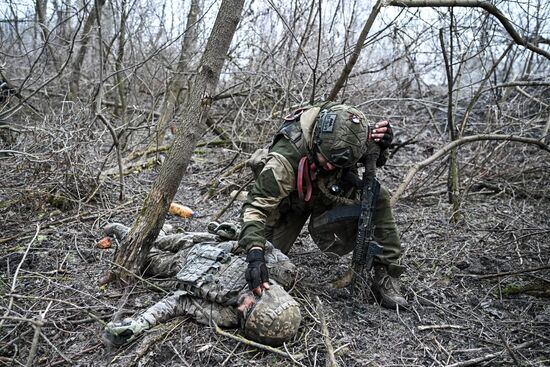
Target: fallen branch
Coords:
[(129, 168), (37, 332), (450, 146), (505, 273), (475, 361), (439, 327), (215, 185), (224, 209), (331, 360), (14, 281), (143, 349), (81, 216), (63, 356), (163, 291)]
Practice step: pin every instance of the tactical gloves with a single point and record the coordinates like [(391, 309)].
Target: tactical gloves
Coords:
[(118, 333), (256, 274), (386, 140)]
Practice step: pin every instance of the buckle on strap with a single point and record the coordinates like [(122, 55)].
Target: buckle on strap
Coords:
[(304, 178)]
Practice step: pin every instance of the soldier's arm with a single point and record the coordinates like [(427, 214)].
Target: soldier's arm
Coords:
[(275, 182)]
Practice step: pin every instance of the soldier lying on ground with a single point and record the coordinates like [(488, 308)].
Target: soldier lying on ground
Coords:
[(210, 287)]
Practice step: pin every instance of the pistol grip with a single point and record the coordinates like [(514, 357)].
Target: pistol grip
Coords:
[(373, 250)]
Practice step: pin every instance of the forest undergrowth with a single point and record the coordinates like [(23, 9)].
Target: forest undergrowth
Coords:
[(478, 288)]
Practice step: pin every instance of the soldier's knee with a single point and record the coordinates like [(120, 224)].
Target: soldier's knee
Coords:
[(384, 196)]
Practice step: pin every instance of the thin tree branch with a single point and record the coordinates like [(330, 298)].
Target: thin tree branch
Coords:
[(356, 51), (490, 8), (454, 144)]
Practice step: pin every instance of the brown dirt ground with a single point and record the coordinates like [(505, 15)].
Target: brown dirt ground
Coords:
[(460, 308)]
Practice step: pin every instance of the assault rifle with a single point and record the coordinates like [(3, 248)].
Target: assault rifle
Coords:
[(366, 248)]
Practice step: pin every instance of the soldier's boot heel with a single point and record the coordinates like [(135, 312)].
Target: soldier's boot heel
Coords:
[(386, 289)]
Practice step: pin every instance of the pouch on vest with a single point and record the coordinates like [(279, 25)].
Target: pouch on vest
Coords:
[(213, 273)]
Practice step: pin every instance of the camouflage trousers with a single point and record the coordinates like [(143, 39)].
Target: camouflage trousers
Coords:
[(180, 303), (284, 226), (167, 262)]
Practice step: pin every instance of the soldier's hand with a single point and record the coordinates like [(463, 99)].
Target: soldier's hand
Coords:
[(256, 274), (382, 134)]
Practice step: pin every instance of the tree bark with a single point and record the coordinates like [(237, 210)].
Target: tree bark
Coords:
[(151, 217)]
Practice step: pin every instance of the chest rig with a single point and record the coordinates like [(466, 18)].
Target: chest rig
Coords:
[(213, 273)]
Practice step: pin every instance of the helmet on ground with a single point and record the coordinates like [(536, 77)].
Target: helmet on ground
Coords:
[(340, 134), (274, 319)]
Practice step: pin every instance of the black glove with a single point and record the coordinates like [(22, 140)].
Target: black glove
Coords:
[(386, 140), (256, 273)]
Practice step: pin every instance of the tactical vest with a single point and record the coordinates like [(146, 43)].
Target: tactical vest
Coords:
[(292, 131), (213, 273)]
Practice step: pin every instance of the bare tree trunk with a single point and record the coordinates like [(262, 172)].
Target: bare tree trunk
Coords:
[(120, 107), (74, 79), (40, 8), (152, 214), (453, 175), (176, 85)]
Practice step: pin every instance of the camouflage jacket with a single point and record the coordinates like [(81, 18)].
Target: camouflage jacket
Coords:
[(275, 186)]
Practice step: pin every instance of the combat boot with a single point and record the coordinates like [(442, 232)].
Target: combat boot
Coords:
[(386, 288)]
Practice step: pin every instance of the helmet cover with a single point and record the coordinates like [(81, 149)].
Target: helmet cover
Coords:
[(341, 134), (274, 319)]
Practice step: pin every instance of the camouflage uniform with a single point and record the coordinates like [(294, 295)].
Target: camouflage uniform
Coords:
[(209, 284), (273, 210)]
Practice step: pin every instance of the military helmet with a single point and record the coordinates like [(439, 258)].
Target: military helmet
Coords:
[(340, 134), (274, 319)]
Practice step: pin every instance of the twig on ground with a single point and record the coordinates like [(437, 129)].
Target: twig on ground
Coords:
[(509, 349), (87, 350), (154, 340), (14, 281), (295, 357), (224, 209), (81, 216), (438, 327), (65, 358), (474, 361), (37, 333), (163, 291), (179, 355), (331, 360), (230, 354), (215, 185), (504, 273)]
